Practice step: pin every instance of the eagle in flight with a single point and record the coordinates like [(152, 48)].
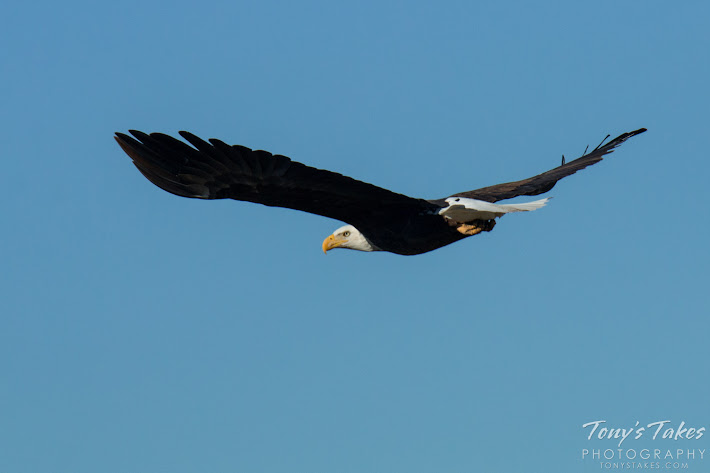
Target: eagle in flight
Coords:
[(377, 219)]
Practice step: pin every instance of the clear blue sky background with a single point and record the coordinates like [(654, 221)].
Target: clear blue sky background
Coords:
[(142, 332)]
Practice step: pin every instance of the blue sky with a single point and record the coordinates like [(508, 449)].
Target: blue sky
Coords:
[(142, 332)]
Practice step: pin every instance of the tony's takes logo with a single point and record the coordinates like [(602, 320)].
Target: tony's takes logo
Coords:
[(662, 454), (682, 432)]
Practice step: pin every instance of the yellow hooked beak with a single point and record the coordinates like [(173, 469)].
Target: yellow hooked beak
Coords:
[(332, 242)]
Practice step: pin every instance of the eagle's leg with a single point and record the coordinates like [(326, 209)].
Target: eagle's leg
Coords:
[(475, 227)]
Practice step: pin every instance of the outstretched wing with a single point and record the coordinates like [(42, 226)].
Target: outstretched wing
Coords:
[(544, 182), (215, 170)]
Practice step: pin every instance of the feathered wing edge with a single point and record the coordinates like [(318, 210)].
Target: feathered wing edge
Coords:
[(544, 182), (163, 165), (215, 170)]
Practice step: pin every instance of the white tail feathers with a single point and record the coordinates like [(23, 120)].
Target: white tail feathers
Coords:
[(461, 209)]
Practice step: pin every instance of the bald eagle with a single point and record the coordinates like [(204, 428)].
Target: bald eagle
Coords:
[(378, 219)]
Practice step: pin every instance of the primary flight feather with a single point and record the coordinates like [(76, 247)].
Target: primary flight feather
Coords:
[(378, 219)]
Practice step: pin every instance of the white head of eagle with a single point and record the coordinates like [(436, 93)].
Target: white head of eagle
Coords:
[(348, 237)]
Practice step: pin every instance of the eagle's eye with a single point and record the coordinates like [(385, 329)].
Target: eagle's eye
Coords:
[(346, 233)]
